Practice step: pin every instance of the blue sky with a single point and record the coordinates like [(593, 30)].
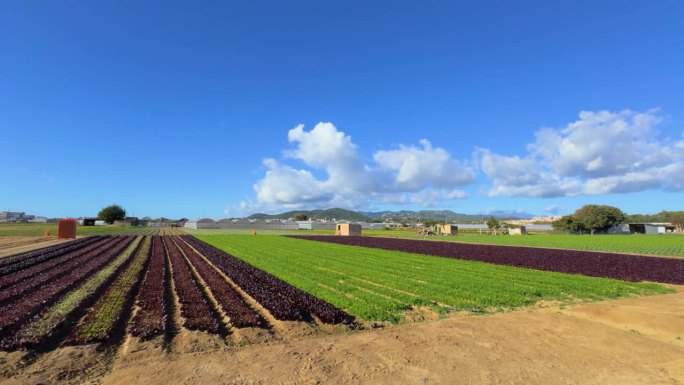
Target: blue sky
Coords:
[(207, 109)]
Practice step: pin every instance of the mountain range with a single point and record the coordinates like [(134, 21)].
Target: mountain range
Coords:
[(381, 216)]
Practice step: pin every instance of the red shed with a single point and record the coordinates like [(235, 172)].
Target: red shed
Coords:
[(66, 228)]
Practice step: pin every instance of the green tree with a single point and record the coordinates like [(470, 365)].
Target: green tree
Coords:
[(599, 217), (677, 220), (301, 217), (568, 223), (493, 224), (112, 213)]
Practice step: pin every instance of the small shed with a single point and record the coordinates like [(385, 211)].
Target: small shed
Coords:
[(522, 230), (448, 229), (347, 229)]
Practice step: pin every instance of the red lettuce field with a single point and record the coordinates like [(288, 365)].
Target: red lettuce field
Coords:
[(610, 265)]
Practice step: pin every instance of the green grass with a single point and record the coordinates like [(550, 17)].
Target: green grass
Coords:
[(380, 285), (38, 229), (664, 244)]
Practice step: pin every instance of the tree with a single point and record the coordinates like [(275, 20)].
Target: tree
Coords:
[(599, 217), (112, 213), (493, 224), (568, 223), (677, 220), (301, 217)]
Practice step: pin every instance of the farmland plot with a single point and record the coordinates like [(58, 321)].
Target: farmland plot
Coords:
[(96, 290), (383, 285), (186, 295), (627, 267), (662, 244)]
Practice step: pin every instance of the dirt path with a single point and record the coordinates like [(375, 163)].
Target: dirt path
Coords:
[(10, 245), (632, 341)]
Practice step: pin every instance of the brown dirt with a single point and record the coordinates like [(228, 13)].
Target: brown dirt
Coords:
[(629, 341), (10, 245)]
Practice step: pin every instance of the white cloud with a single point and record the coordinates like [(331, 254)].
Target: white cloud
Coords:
[(425, 198), (328, 149), (512, 175), (409, 174), (285, 185), (414, 168), (602, 152)]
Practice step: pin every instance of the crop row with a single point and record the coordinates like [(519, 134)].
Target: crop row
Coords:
[(610, 265), (49, 271), (284, 301), (49, 321), (150, 318), (53, 266), (16, 312), (25, 260), (239, 312), (194, 308), (101, 320)]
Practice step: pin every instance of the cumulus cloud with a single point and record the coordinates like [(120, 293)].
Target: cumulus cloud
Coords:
[(406, 175), (416, 167), (284, 185), (602, 152)]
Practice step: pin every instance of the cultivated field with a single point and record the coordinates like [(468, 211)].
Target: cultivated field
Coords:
[(596, 264), (665, 244), (82, 291), (108, 307), (668, 245), (383, 285)]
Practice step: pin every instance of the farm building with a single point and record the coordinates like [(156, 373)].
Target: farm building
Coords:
[(650, 228), (522, 230), (11, 216), (347, 229), (305, 225), (87, 221), (123, 223), (447, 229), (133, 220)]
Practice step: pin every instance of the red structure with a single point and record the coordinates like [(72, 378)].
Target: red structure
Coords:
[(66, 228)]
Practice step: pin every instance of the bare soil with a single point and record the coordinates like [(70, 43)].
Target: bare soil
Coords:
[(629, 341), (10, 245)]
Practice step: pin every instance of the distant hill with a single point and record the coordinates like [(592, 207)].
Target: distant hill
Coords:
[(335, 213), (661, 217), (438, 215), (381, 216)]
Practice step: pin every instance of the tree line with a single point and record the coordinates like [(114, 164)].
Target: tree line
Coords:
[(598, 218)]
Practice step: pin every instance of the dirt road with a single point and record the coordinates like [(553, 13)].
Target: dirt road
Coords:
[(10, 245)]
